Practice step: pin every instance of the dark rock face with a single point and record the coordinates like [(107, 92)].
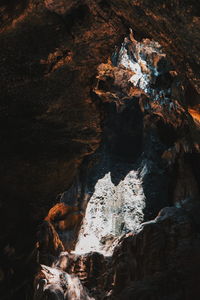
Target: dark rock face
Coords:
[(159, 262), (53, 117)]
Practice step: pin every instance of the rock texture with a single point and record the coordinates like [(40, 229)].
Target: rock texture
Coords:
[(54, 116), (160, 262), (57, 284), (140, 89), (117, 257)]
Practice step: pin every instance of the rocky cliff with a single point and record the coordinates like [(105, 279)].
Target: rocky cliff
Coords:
[(100, 149)]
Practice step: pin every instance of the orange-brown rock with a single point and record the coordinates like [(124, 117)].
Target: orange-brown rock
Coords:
[(195, 113), (48, 240), (73, 220), (63, 219), (60, 211)]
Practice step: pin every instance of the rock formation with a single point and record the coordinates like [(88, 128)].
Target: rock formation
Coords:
[(100, 149)]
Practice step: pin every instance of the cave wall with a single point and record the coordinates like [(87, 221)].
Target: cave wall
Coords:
[(49, 55)]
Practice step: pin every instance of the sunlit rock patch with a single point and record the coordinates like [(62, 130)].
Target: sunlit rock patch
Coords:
[(143, 63), (140, 69), (195, 113), (111, 211)]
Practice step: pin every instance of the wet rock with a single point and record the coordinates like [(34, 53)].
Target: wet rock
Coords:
[(54, 284)]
